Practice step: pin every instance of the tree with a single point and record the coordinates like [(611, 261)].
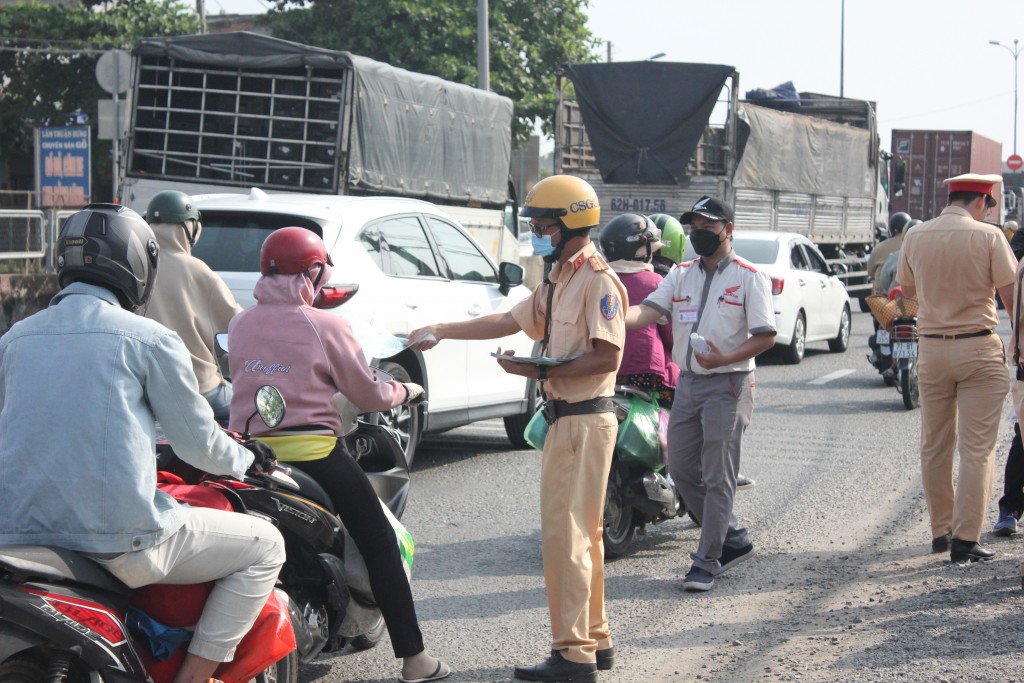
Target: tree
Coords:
[(529, 42), (48, 63)]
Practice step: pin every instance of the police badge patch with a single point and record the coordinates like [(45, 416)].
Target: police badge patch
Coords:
[(609, 306)]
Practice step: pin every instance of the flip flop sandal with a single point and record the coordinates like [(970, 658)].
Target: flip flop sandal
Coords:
[(436, 676)]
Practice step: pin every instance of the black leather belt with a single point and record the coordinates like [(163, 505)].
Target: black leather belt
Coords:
[(966, 335), (556, 409)]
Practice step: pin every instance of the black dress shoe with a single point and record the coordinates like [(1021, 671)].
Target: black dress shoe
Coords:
[(968, 551), (557, 669), (605, 658), (940, 544)]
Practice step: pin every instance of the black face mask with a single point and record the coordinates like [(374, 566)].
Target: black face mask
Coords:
[(705, 242)]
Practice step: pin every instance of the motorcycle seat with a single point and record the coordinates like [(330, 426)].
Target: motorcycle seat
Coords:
[(59, 564)]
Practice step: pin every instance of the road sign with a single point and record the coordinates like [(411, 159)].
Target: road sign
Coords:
[(1015, 162), (62, 166), (113, 69)]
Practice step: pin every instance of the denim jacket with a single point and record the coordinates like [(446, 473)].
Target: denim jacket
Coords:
[(82, 384)]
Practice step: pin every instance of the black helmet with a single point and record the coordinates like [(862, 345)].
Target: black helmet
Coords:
[(111, 246), (916, 221), (897, 222), (630, 237)]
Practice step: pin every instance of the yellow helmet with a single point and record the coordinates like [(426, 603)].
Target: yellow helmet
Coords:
[(569, 199)]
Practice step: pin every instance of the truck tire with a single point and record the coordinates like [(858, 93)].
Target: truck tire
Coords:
[(515, 425)]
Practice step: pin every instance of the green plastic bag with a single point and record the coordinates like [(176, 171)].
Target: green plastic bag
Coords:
[(536, 430), (638, 442)]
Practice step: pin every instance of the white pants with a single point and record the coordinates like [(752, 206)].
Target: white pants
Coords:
[(242, 553)]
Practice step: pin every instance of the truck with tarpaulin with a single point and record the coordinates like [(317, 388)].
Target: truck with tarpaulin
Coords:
[(653, 137), (226, 112)]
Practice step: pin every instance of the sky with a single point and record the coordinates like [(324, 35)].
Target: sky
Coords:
[(927, 64)]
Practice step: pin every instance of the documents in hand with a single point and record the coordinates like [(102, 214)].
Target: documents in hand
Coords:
[(532, 360)]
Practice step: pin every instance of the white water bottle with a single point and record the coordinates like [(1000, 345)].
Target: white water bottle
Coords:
[(699, 343)]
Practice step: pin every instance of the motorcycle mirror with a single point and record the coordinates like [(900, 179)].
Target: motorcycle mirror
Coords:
[(270, 407), (220, 350)]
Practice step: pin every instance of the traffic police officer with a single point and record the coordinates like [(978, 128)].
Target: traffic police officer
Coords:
[(578, 313), (961, 362)]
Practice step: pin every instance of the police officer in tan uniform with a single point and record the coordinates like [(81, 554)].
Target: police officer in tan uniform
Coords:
[(578, 313), (961, 363)]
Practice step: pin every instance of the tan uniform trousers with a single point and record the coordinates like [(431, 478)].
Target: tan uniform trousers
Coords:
[(963, 384), (574, 475)]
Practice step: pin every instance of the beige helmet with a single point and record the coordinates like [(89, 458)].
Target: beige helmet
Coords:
[(569, 199)]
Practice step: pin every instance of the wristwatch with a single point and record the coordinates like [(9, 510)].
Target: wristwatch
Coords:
[(543, 373)]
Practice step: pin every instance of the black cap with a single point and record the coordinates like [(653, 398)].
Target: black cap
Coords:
[(709, 207)]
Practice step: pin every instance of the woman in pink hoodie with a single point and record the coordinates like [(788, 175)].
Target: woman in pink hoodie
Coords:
[(310, 355)]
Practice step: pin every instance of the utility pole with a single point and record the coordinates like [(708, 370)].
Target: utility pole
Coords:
[(201, 11), (483, 55), (1015, 51), (842, 43)]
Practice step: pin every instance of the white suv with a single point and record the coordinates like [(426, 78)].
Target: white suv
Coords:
[(399, 264)]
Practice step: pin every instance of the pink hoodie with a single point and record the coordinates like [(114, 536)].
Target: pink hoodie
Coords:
[(307, 353)]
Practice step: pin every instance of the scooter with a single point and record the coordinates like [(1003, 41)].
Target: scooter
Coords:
[(904, 352), (638, 492), (64, 617)]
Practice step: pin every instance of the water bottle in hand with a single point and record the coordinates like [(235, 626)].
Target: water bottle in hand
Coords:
[(699, 344)]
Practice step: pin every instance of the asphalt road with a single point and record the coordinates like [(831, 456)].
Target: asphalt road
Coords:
[(837, 516)]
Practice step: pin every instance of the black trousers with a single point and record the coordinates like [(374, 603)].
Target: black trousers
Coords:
[(359, 508), (1013, 478)]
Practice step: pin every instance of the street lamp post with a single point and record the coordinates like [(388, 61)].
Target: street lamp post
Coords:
[(1015, 51)]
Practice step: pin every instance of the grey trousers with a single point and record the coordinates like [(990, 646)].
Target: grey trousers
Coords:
[(243, 554), (708, 418)]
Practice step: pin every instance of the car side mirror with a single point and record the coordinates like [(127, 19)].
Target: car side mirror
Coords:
[(509, 275), (839, 269)]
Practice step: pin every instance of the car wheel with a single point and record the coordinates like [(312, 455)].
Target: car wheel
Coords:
[(515, 425), (403, 419), (794, 353), (842, 340)]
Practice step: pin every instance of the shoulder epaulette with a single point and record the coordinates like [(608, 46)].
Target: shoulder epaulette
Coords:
[(598, 263)]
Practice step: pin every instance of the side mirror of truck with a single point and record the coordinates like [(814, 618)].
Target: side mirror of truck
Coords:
[(509, 275), (899, 178)]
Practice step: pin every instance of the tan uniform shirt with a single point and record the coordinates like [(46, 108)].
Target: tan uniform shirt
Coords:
[(589, 303), (956, 263), (877, 260)]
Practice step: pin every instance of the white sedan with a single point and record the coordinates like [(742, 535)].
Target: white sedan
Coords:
[(399, 264), (811, 303)]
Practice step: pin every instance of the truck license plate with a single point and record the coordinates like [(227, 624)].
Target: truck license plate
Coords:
[(904, 349)]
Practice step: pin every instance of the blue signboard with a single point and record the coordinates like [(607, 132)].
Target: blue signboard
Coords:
[(62, 166)]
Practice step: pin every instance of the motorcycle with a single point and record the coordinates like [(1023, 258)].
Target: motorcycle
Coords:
[(880, 357), (904, 353), (64, 617), (638, 492)]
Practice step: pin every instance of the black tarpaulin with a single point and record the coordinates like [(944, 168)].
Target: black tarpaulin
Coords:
[(644, 119)]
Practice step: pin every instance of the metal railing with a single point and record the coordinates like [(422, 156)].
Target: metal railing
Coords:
[(30, 234)]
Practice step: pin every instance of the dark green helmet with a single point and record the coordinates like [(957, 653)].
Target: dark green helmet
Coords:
[(171, 206)]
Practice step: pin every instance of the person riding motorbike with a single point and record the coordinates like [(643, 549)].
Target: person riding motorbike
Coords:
[(188, 296), (897, 223), (887, 274), (310, 355), (673, 243), (629, 242), (82, 385)]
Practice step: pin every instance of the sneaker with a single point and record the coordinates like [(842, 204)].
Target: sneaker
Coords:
[(698, 579), (744, 483), (1006, 526), (733, 556)]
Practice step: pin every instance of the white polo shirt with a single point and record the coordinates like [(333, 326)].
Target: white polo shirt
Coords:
[(725, 306)]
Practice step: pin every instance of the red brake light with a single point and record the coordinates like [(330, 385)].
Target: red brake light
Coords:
[(334, 296), (777, 284)]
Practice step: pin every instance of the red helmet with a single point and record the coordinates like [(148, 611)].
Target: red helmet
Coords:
[(292, 250)]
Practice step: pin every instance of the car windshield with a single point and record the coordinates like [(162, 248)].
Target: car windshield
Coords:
[(759, 251), (231, 241)]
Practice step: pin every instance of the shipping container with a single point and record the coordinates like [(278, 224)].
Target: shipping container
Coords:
[(931, 156)]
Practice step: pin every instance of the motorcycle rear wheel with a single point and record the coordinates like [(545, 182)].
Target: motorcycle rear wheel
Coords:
[(365, 641), (22, 670), (619, 528), (908, 387)]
